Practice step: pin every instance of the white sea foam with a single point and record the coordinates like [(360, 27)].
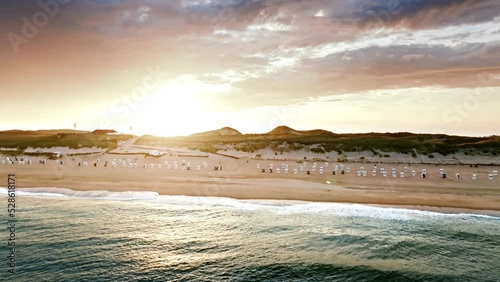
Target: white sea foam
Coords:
[(3, 191), (95, 194), (302, 207), (210, 201), (278, 206)]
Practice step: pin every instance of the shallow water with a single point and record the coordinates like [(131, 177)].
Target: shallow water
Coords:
[(64, 235)]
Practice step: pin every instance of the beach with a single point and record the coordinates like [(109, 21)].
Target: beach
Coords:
[(241, 179)]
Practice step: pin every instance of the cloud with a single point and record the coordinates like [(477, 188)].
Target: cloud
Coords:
[(414, 57), (399, 62), (426, 13), (270, 51)]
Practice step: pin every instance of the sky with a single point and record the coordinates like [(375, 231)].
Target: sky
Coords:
[(177, 67)]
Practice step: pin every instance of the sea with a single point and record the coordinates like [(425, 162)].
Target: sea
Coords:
[(64, 235)]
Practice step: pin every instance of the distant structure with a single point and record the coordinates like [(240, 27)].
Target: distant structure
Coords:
[(74, 125)]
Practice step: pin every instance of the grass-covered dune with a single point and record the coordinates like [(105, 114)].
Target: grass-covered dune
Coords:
[(323, 141), (21, 140), (281, 139)]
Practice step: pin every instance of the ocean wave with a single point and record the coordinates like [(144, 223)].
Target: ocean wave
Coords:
[(278, 206), (379, 212), (94, 194)]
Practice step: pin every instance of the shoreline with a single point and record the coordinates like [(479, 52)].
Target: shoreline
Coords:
[(290, 190), (43, 191), (283, 189)]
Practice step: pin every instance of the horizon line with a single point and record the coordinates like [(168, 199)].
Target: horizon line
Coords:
[(179, 136)]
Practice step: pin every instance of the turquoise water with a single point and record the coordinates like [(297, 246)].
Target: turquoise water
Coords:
[(103, 236)]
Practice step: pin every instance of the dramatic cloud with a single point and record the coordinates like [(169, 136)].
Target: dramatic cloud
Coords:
[(428, 13), (262, 52)]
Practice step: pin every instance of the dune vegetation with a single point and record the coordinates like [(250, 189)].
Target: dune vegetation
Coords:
[(319, 141)]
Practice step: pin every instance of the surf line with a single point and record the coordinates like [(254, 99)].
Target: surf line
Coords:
[(11, 223)]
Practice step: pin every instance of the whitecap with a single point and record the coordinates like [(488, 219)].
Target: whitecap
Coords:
[(277, 206)]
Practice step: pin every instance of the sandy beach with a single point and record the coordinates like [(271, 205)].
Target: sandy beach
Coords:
[(241, 179)]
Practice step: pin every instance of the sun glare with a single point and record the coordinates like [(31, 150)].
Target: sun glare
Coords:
[(179, 107)]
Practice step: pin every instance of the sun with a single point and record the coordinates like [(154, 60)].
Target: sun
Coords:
[(179, 107)]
